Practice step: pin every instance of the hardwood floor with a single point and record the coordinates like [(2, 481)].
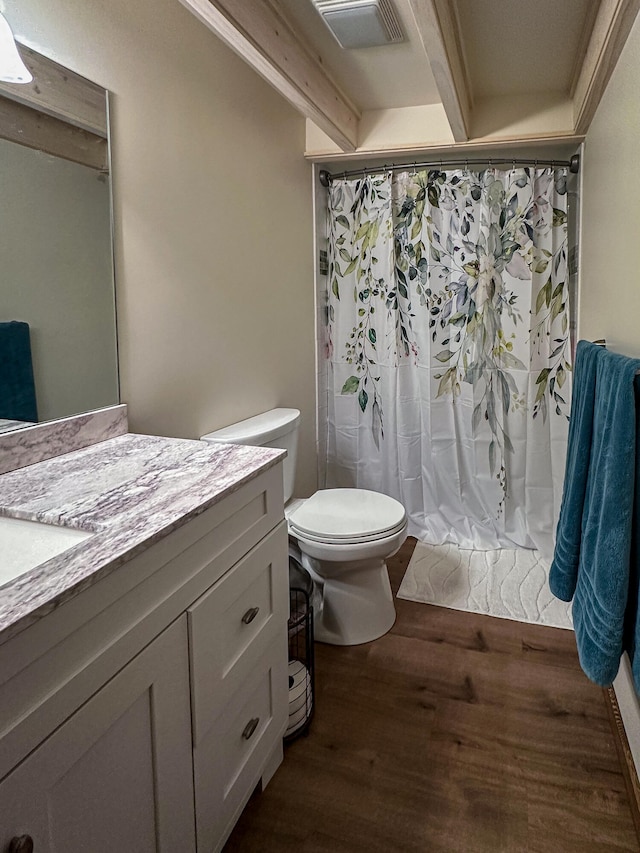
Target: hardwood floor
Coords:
[(454, 732)]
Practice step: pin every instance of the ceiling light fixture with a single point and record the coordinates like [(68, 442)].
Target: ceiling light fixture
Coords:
[(12, 68), (360, 23)]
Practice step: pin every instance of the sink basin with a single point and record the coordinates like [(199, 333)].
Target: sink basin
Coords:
[(26, 544)]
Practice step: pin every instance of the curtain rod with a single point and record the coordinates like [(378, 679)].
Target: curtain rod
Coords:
[(326, 177)]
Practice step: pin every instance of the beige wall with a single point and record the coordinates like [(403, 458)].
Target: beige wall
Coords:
[(213, 212), (610, 277)]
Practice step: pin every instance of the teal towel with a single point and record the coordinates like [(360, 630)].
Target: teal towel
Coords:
[(632, 616), (564, 569), (593, 542), (17, 387)]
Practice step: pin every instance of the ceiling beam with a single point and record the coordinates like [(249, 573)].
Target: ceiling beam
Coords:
[(258, 31), (611, 28), (439, 30), (60, 93), (42, 132)]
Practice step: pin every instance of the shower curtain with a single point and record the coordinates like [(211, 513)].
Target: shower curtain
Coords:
[(448, 352)]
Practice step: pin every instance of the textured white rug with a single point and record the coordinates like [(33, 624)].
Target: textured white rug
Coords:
[(511, 584)]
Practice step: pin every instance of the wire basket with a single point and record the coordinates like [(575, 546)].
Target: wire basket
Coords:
[(301, 658)]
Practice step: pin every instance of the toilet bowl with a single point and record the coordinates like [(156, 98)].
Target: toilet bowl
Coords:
[(342, 537), (345, 537)]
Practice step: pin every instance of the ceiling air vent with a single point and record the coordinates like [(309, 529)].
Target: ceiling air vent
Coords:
[(360, 23)]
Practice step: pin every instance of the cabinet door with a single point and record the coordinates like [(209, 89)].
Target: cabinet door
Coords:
[(117, 775)]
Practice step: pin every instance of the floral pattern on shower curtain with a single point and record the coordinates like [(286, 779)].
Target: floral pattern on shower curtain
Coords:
[(449, 362)]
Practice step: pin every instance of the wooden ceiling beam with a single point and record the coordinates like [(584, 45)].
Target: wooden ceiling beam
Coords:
[(611, 28), (60, 93), (259, 32), (439, 30), (42, 132)]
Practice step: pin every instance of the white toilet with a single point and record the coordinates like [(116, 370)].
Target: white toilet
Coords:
[(343, 537)]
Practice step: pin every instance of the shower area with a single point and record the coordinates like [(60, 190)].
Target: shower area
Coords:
[(446, 298)]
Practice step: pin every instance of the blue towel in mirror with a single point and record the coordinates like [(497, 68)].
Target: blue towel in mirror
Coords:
[(17, 387), (593, 556)]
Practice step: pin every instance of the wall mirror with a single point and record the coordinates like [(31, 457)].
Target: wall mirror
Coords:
[(58, 346)]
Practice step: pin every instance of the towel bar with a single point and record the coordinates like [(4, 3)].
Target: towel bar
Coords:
[(602, 342)]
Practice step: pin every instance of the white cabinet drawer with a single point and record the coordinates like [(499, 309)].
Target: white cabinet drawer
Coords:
[(228, 762), (231, 624)]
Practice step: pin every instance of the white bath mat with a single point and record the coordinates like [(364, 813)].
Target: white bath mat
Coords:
[(510, 583)]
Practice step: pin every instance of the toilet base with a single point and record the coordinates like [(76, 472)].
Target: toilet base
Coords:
[(357, 606)]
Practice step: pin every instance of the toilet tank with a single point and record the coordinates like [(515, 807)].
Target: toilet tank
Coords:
[(275, 428)]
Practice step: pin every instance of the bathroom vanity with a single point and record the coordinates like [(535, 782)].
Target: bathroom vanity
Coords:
[(143, 669)]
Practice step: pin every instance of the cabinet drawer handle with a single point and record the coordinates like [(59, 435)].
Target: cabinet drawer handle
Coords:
[(250, 615), (250, 728), (21, 844)]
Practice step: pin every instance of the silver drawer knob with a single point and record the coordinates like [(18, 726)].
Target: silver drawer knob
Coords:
[(250, 728), (250, 615)]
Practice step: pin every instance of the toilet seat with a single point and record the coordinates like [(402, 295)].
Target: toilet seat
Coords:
[(347, 516)]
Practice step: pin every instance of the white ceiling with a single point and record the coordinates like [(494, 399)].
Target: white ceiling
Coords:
[(478, 73), (395, 75), (510, 46), (514, 46)]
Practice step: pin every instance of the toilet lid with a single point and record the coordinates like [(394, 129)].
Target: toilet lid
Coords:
[(347, 515)]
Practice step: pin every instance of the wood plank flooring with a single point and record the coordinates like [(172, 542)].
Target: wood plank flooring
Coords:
[(454, 732)]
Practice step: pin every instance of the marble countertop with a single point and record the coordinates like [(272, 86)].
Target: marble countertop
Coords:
[(7, 425), (129, 491)]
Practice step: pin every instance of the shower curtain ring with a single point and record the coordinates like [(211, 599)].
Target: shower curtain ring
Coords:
[(414, 173)]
